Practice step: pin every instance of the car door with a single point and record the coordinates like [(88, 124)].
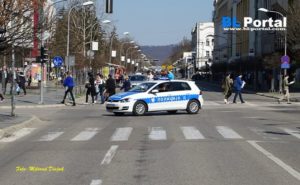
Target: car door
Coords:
[(160, 100), (180, 93)]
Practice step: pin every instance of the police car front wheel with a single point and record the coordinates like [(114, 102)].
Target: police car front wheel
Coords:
[(139, 108), (193, 107)]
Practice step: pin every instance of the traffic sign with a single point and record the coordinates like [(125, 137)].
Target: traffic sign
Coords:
[(58, 61), (285, 62)]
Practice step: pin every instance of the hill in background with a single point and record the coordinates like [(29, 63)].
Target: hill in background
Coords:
[(158, 52)]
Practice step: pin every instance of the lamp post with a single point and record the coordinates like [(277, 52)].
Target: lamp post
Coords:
[(121, 49), (68, 36), (128, 50), (285, 32), (133, 63)]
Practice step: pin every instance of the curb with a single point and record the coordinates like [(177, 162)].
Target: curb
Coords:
[(9, 130)]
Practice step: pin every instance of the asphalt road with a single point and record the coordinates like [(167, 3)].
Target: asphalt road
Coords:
[(235, 144)]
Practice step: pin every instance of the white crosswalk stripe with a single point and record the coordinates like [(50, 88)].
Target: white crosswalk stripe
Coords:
[(17, 135), (228, 133), (50, 136), (294, 133), (157, 133), (191, 133), (86, 135), (96, 182), (121, 134)]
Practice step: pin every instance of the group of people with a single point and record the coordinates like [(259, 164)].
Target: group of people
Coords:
[(98, 88), (229, 85)]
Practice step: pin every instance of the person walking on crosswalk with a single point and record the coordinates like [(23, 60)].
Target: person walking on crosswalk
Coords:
[(69, 84), (286, 91), (238, 85), (227, 86)]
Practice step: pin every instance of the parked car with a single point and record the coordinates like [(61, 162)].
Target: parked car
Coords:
[(137, 79)]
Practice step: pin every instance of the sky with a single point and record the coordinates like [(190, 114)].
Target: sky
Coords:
[(159, 22)]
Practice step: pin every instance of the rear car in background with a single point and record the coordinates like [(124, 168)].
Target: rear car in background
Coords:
[(137, 79), (150, 96)]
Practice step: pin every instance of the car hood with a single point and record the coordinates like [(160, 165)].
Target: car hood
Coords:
[(122, 95)]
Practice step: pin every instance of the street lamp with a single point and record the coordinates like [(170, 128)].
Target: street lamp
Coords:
[(121, 48), (68, 37), (285, 33)]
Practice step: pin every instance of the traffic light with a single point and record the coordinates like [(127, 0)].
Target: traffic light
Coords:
[(3, 46), (109, 6), (44, 55)]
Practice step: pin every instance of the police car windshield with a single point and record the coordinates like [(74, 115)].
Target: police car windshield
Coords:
[(142, 87)]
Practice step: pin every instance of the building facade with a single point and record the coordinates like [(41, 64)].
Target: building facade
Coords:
[(202, 44)]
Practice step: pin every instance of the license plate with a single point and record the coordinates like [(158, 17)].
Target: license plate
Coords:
[(110, 105)]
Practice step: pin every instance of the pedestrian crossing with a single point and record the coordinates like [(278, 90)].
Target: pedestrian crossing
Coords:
[(188, 133)]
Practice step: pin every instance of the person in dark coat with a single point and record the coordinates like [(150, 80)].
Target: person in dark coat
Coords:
[(91, 89), (238, 86), (110, 86), (126, 84), (21, 82), (69, 84), (227, 86)]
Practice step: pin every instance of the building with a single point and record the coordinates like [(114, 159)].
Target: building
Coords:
[(202, 44)]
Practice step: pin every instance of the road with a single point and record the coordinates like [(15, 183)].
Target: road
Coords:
[(235, 144)]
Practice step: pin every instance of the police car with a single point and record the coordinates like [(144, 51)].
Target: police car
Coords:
[(151, 96)]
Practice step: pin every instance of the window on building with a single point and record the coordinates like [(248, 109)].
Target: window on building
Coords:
[(207, 42), (207, 53)]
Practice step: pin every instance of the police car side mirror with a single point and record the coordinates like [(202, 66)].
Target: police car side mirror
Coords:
[(154, 91)]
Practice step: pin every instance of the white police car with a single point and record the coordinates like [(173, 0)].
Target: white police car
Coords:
[(152, 96)]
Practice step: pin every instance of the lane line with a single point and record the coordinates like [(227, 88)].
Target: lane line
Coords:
[(109, 155), (96, 182), (228, 133), (85, 135), (17, 135), (191, 133), (157, 133), (294, 133), (50, 136), (279, 162), (121, 134)]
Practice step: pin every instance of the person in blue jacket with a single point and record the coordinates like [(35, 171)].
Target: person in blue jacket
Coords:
[(171, 75), (238, 86), (69, 84)]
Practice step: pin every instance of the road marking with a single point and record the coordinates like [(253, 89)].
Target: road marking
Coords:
[(228, 133), (50, 136), (191, 133), (96, 182), (157, 133), (17, 135), (279, 162), (85, 135), (121, 134), (294, 133), (109, 155)]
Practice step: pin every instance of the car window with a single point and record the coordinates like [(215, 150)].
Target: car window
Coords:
[(142, 87), (163, 87), (179, 86), (138, 78)]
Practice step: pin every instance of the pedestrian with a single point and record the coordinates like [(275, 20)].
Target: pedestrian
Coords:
[(69, 84), (126, 84), (110, 86), (29, 80), (238, 86), (21, 82), (150, 76), (170, 75), (286, 91), (99, 86), (227, 86), (91, 90), (1, 96)]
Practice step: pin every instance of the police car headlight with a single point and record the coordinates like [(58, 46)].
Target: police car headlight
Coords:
[(126, 100)]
